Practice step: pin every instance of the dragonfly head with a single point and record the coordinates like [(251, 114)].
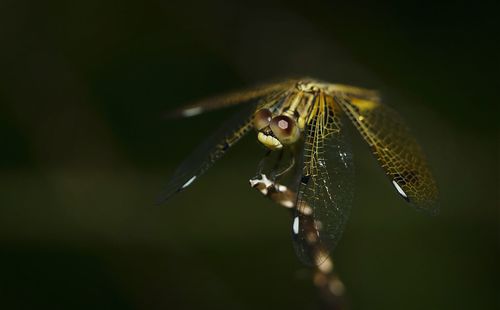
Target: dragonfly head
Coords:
[(276, 131)]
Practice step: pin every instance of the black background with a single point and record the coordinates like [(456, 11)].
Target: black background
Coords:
[(84, 152)]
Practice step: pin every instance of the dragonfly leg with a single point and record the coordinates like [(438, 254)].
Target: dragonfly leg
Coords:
[(288, 168), (262, 163)]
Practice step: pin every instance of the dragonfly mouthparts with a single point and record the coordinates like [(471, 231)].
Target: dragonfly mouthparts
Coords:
[(269, 141)]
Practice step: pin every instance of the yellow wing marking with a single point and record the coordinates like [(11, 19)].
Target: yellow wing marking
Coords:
[(364, 105)]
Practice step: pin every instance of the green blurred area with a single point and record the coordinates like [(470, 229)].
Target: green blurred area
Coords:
[(84, 153)]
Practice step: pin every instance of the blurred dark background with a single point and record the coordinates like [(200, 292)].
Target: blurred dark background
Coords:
[(84, 153)]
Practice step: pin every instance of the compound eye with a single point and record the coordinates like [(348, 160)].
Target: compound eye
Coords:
[(285, 129), (262, 118)]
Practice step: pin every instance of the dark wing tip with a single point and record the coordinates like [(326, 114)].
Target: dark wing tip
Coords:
[(173, 188), (422, 200), (164, 197)]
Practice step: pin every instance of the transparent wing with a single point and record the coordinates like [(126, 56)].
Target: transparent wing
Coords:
[(230, 99), (352, 91), (212, 149), (326, 187), (395, 149)]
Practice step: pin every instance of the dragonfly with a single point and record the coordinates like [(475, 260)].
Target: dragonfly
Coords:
[(308, 166)]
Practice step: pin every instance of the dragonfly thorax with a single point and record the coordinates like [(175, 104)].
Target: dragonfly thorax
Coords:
[(307, 86)]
